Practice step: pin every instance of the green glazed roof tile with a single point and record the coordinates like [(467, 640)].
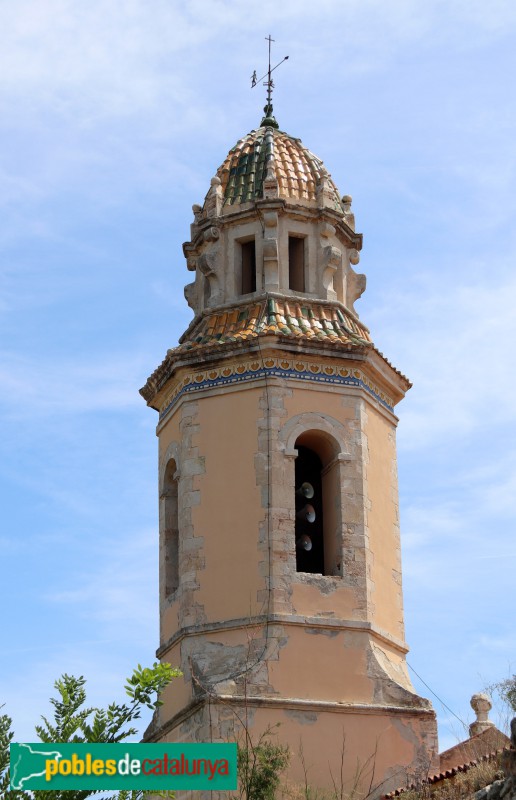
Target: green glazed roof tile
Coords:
[(297, 169), (276, 316)]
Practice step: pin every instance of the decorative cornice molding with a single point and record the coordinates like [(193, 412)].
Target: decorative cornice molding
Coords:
[(288, 704), (293, 620), (254, 369)]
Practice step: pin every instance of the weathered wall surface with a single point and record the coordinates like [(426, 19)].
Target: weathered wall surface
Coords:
[(276, 362), (373, 746), (323, 655), (383, 521)]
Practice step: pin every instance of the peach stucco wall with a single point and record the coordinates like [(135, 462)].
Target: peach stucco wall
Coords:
[(369, 752), (308, 600), (322, 664), (334, 653), (383, 522), (230, 509)]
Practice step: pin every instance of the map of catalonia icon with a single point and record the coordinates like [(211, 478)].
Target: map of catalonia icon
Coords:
[(123, 766)]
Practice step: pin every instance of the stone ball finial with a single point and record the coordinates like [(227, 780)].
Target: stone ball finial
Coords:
[(481, 705), (215, 181), (354, 257)]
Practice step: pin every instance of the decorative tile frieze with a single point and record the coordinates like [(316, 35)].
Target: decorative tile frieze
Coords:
[(274, 367)]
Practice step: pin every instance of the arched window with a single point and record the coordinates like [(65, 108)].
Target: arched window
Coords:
[(170, 530), (296, 263), (309, 512), (248, 267), (317, 497)]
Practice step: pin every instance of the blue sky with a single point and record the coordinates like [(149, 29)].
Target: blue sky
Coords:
[(113, 118)]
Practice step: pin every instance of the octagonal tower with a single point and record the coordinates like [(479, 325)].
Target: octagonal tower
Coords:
[(280, 571)]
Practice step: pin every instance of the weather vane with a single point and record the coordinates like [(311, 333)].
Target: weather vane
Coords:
[(269, 83)]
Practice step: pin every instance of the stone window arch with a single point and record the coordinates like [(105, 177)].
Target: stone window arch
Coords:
[(316, 446), (169, 529), (309, 526)]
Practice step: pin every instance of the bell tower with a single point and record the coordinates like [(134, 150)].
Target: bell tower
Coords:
[(280, 571)]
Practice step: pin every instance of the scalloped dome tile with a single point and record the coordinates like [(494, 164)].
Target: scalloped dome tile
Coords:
[(297, 169)]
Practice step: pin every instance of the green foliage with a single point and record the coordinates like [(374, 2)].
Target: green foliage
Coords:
[(6, 737), (507, 691), (259, 769), (147, 681), (73, 722)]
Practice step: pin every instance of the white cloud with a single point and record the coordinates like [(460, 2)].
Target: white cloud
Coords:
[(489, 642), (455, 341), (424, 522), (102, 621), (69, 386), (115, 592), (31, 679), (116, 57)]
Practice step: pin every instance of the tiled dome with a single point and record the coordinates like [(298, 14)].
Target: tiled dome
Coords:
[(296, 169)]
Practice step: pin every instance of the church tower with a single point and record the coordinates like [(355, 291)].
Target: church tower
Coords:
[(280, 572)]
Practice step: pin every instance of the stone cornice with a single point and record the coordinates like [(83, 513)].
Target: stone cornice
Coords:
[(283, 365), (241, 213), (315, 364), (312, 623), (327, 328), (289, 704)]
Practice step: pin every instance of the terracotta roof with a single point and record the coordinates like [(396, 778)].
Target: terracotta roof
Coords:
[(445, 774), (483, 747), (488, 741), (297, 170), (314, 321), (291, 320)]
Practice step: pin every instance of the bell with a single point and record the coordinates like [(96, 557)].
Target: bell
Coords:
[(304, 543), (307, 513), (306, 490)]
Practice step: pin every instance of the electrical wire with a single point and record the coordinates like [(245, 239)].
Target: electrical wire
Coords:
[(437, 697)]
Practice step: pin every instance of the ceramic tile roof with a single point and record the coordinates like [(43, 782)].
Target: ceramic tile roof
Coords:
[(484, 747), (446, 774), (315, 321), (297, 169), (488, 741)]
